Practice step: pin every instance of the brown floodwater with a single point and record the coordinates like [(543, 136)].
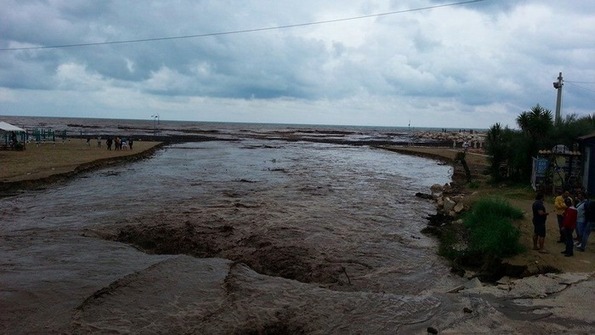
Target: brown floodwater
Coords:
[(340, 218)]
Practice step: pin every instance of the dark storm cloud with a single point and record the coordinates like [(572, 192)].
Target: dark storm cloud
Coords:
[(493, 59)]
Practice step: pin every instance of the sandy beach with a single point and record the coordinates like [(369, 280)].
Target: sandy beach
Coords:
[(163, 295), (50, 162)]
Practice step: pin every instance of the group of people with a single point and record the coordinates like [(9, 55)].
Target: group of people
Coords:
[(575, 218), (119, 143)]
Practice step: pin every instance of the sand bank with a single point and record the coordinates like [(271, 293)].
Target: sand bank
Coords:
[(49, 162)]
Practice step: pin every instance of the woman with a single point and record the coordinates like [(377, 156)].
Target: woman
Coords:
[(560, 207)]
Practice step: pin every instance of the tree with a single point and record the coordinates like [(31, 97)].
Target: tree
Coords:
[(497, 148), (536, 124), (573, 127), (510, 152), (536, 128)]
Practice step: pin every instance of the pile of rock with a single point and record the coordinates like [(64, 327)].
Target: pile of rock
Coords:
[(449, 204), (447, 201), (474, 139)]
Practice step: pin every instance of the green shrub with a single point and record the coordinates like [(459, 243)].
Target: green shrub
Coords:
[(490, 229), (493, 206)]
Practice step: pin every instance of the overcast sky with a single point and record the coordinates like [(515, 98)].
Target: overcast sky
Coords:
[(463, 66)]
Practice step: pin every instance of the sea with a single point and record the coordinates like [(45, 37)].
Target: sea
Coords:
[(93, 127)]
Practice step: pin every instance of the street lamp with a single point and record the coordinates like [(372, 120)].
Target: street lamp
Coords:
[(155, 118)]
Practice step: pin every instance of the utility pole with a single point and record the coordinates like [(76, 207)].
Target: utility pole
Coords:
[(558, 86)]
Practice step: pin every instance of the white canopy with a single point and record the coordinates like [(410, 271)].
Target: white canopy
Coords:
[(8, 127)]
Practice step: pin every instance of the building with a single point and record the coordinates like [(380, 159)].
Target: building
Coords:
[(587, 147)]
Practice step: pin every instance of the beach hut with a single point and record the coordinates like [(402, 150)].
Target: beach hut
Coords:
[(587, 147), (10, 135), (557, 168)]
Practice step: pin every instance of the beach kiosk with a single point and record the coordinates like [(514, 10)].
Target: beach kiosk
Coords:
[(13, 137), (555, 169)]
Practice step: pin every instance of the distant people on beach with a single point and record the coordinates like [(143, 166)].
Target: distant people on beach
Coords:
[(539, 218), (108, 143), (130, 141), (117, 143), (568, 226)]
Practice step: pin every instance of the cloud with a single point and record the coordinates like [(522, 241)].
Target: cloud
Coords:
[(459, 66)]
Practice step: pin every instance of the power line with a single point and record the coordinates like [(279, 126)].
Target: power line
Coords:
[(573, 83), (243, 31), (579, 82)]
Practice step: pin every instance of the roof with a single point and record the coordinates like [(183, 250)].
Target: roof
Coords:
[(587, 137), (559, 153), (8, 127)]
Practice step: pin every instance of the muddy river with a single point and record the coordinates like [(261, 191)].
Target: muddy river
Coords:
[(321, 219)]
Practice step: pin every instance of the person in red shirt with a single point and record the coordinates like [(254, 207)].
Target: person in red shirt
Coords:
[(568, 226)]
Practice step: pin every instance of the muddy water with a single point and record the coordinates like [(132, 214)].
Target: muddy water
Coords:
[(344, 218)]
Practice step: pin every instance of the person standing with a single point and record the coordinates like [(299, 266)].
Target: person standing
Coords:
[(580, 217), (539, 218), (568, 226), (589, 225), (560, 207)]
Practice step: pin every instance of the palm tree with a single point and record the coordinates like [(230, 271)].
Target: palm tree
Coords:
[(497, 147), (537, 123)]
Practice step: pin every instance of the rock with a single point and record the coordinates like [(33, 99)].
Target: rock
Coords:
[(436, 188), (432, 330), (424, 195), (448, 204), (473, 283), (459, 207), (504, 280), (467, 310), (470, 274), (456, 289)]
